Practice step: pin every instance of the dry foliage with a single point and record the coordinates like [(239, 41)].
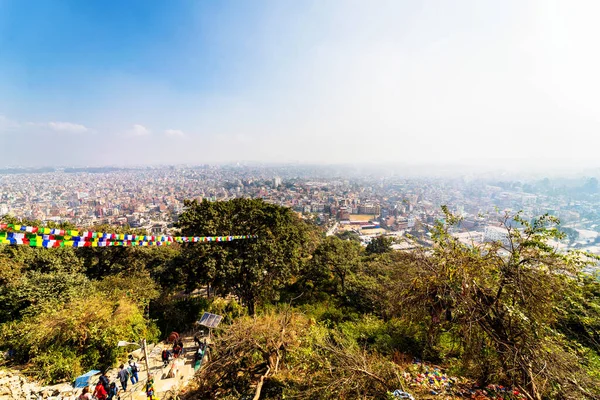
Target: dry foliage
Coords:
[(249, 351)]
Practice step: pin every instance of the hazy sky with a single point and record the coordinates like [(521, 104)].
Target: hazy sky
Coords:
[(133, 82)]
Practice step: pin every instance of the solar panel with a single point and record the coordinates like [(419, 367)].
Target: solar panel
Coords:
[(210, 320)]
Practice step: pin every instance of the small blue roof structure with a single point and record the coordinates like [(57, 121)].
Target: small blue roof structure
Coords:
[(83, 380)]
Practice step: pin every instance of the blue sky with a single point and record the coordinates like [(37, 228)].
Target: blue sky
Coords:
[(73, 57), (150, 82)]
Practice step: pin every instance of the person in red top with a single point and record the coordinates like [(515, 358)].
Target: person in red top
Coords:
[(100, 392), (176, 350)]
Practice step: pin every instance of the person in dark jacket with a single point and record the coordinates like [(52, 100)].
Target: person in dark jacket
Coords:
[(113, 391), (165, 357), (105, 381), (134, 368), (123, 375)]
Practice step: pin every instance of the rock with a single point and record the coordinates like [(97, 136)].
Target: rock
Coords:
[(57, 390), (13, 385)]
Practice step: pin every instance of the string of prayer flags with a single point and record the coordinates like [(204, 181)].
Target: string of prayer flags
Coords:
[(75, 235), (39, 242)]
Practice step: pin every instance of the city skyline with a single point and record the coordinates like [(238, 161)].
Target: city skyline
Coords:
[(137, 83), (425, 169), (366, 204)]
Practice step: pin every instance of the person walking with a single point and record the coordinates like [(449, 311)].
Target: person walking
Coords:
[(113, 391), (134, 368), (85, 394), (176, 350), (165, 357), (99, 392), (105, 381), (123, 375)]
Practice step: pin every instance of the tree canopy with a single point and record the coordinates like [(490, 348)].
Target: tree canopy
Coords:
[(254, 270), (379, 245)]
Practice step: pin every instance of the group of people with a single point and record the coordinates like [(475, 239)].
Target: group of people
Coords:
[(100, 392), (129, 372), (107, 390), (175, 353)]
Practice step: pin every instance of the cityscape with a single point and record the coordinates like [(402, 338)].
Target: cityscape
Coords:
[(364, 204)]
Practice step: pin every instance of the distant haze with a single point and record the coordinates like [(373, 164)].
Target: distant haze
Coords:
[(495, 83)]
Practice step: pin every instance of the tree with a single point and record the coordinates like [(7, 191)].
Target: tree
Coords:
[(136, 286), (59, 343), (349, 235), (253, 269), (286, 355), (104, 261), (501, 300), (380, 245), (334, 258), (348, 372), (579, 313), (372, 288), (11, 304), (37, 278)]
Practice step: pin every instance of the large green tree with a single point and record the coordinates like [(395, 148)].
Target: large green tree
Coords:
[(380, 245), (332, 262), (35, 279), (253, 269)]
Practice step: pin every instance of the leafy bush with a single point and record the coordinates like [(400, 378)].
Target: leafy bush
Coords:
[(329, 313), (85, 330), (385, 337), (136, 285), (177, 314), (56, 365), (228, 308)]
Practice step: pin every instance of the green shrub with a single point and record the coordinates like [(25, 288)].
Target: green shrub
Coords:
[(85, 330), (331, 314), (56, 365), (385, 337), (177, 314), (228, 308)]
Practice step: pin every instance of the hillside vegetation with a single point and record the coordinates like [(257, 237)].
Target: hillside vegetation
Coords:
[(311, 316)]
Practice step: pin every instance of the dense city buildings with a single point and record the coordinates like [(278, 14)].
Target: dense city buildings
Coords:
[(367, 204)]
